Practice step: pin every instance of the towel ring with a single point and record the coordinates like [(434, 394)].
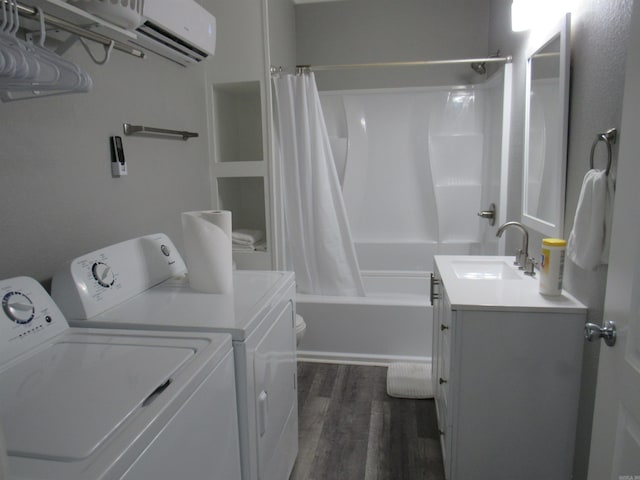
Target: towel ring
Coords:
[(608, 137)]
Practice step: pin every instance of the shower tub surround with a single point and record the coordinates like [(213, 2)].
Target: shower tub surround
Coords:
[(415, 166), (392, 323)]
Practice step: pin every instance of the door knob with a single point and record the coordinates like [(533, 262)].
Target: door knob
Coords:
[(592, 332)]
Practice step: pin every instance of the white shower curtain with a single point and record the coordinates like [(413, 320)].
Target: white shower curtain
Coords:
[(319, 245)]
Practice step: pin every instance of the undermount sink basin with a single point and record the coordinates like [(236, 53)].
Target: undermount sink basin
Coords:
[(485, 270)]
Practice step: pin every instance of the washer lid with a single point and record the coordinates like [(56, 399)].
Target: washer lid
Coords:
[(65, 401)]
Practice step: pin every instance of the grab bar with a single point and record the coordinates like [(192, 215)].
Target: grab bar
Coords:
[(608, 137), (133, 129)]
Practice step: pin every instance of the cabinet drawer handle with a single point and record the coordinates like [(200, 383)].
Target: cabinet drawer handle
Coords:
[(263, 410), (443, 328), (442, 380)]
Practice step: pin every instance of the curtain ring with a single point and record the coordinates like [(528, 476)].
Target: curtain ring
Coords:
[(302, 69)]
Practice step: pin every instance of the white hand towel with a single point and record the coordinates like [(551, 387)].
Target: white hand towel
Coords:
[(243, 248), (588, 241), (608, 218), (258, 247), (245, 236)]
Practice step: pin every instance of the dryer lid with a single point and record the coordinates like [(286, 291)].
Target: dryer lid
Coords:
[(68, 399), (174, 305)]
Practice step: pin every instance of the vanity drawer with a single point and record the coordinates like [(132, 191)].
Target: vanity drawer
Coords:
[(442, 384), (442, 390), (442, 380)]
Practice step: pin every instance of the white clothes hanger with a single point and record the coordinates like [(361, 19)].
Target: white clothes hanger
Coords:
[(7, 52), (44, 72)]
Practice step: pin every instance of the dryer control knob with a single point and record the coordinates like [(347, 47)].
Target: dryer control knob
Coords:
[(103, 274)]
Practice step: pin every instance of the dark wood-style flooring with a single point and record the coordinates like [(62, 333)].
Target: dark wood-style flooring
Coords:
[(350, 429)]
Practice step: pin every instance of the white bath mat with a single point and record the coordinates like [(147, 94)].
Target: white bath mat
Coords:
[(409, 380)]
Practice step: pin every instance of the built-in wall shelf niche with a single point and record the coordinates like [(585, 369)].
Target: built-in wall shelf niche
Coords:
[(245, 198), (237, 129)]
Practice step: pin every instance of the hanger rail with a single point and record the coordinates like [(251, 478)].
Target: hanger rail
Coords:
[(79, 23)]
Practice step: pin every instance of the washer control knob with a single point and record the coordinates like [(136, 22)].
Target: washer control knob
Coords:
[(103, 274), (18, 307)]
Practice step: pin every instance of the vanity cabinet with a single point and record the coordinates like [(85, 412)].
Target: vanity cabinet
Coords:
[(506, 369)]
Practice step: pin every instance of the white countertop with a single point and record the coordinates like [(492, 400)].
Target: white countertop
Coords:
[(520, 294)]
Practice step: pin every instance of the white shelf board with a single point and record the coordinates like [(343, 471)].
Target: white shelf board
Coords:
[(240, 169), (252, 260)]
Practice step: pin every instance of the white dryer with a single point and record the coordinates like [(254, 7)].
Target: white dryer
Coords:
[(142, 284), (88, 404)]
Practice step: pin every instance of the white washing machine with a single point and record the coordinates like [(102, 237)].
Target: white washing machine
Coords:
[(141, 284), (88, 404)]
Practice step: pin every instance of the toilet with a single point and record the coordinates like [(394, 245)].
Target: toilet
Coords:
[(301, 326)]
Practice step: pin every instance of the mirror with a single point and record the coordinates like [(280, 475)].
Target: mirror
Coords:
[(546, 126)]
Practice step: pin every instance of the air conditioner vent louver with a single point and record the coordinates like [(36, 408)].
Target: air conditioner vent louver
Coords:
[(181, 31), (172, 42)]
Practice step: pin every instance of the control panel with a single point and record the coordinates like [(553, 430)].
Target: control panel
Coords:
[(118, 163), (102, 279), (28, 316)]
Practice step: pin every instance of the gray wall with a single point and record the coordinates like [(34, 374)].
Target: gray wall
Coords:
[(281, 31), (58, 199), (361, 31), (240, 48), (600, 32)]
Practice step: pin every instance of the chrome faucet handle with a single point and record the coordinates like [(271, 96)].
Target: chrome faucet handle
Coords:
[(524, 260), (517, 258), (521, 259), (530, 267)]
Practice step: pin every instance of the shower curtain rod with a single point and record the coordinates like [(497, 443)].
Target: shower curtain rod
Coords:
[(418, 63)]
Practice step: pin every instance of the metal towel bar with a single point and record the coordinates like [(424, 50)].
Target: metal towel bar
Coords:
[(608, 137), (133, 129)]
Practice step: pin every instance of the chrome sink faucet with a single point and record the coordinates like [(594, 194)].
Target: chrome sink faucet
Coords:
[(523, 261)]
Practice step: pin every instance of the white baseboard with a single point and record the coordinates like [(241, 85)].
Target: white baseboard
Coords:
[(356, 359)]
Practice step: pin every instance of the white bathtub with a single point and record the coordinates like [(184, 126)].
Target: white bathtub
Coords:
[(392, 323)]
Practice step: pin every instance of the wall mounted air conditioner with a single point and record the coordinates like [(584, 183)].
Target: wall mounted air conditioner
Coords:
[(181, 31)]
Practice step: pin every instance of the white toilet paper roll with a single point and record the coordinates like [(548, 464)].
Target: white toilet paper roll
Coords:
[(207, 244)]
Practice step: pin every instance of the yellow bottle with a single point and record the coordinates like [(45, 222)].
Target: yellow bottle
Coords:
[(552, 266)]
